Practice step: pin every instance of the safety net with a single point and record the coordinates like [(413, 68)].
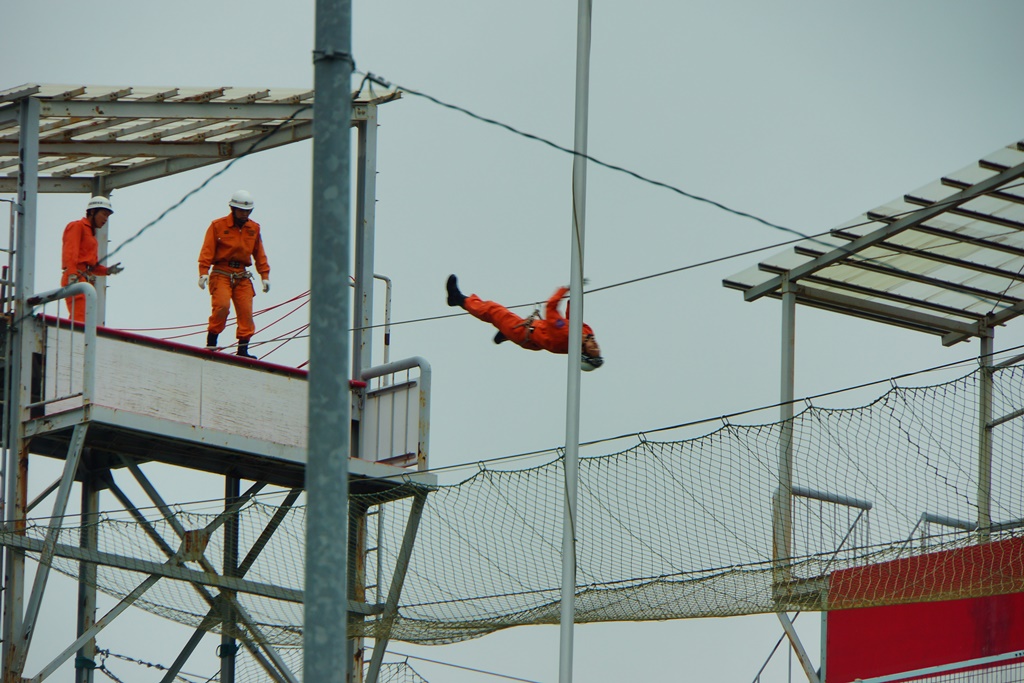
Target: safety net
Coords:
[(884, 510)]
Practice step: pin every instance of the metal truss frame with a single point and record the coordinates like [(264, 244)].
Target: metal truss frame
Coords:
[(93, 139)]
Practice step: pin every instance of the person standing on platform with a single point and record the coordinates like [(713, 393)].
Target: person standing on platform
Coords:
[(231, 245), (80, 253)]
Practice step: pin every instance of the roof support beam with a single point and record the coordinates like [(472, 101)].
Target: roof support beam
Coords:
[(51, 185), (819, 282), (878, 311), (174, 110), (909, 221), (112, 148), (978, 328)]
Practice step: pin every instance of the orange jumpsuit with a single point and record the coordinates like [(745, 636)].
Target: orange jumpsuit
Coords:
[(550, 333), (228, 250), (80, 257)]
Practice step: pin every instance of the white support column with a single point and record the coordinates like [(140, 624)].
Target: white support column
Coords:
[(572, 408), (362, 339), (365, 225), (782, 508)]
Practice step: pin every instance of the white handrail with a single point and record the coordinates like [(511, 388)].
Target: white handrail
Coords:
[(89, 352)]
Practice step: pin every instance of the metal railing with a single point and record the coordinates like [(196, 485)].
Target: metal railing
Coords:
[(65, 356), (396, 414)]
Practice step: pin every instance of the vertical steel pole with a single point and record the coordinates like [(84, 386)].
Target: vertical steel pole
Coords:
[(8, 361), (326, 588), (823, 647), (228, 646), (985, 436), (21, 380), (782, 541), (572, 411), (88, 538), (357, 584)]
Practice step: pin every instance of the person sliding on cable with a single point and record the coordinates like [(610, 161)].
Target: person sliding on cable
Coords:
[(550, 333)]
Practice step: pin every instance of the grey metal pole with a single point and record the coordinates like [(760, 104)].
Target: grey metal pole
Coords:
[(326, 588), (88, 538), (985, 436), (572, 409), (228, 646), (20, 370)]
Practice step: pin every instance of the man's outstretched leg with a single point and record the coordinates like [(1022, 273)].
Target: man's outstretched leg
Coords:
[(510, 326)]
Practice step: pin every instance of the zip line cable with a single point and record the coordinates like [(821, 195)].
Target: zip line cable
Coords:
[(512, 129), (285, 338), (854, 257), (594, 290), (641, 278)]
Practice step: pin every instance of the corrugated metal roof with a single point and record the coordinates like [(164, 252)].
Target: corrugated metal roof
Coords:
[(946, 258), (121, 136)]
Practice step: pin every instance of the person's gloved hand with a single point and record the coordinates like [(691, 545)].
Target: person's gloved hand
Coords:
[(115, 269), (72, 279), (203, 279), (266, 286)]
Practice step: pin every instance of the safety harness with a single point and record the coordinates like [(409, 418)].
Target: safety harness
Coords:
[(234, 277), (528, 324)]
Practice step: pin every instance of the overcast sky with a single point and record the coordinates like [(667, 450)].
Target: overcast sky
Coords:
[(803, 113)]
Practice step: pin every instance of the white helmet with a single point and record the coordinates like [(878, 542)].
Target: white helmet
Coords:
[(241, 200), (99, 202), (589, 363)]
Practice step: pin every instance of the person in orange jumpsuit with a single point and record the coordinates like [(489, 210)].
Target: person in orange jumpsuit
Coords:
[(548, 333), (80, 253), (231, 245)]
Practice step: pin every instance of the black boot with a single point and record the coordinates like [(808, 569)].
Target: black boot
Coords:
[(243, 348), (498, 338), (211, 340), (455, 297)]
